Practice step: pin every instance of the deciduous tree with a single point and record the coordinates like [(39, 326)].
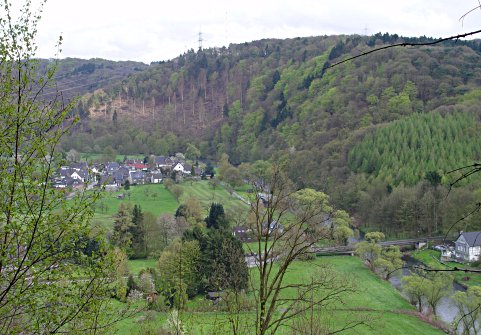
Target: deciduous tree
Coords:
[(43, 235), (439, 285), (469, 316), (286, 225), (179, 265)]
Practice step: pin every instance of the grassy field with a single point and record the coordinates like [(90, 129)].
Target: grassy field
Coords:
[(91, 157), (202, 191), (245, 191), (137, 265), (374, 299), (155, 198), (431, 258), (152, 198)]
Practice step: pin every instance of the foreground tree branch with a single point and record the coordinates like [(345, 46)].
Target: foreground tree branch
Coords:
[(49, 283), (405, 44)]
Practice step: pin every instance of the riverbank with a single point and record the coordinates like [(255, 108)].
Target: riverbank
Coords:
[(431, 258)]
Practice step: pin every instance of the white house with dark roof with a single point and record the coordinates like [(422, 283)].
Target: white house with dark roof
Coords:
[(179, 167), (468, 246)]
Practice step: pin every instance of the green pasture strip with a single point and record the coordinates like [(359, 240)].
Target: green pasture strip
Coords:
[(154, 198), (202, 191), (97, 157), (137, 265), (375, 300)]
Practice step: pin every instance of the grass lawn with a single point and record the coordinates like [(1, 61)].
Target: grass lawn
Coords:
[(136, 265), (253, 246), (431, 258), (154, 198), (202, 191), (374, 299), (245, 191), (91, 157), (372, 292)]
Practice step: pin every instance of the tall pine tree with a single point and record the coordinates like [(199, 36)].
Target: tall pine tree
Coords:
[(139, 246), (216, 218)]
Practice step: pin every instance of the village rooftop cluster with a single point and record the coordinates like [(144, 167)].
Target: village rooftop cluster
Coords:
[(113, 175)]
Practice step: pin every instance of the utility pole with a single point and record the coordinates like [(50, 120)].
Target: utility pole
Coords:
[(200, 40)]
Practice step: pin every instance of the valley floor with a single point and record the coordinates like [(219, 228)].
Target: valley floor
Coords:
[(375, 300)]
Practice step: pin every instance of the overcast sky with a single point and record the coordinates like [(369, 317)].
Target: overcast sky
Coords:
[(153, 30)]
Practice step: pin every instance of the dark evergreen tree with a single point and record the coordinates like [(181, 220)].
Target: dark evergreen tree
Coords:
[(122, 232), (181, 211), (209, 170), (433, 177), (115, 118), (138, 233), (224, 263), (216, 218)]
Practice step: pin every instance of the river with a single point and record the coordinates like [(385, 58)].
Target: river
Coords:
[(446, 310)]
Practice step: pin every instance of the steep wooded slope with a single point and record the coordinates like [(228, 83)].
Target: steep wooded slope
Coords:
[(275, 97)]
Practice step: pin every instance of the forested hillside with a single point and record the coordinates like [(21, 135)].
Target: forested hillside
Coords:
[(404, 150), (278, 98), (75, 77)]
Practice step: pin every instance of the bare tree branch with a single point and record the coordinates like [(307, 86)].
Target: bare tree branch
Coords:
[(405, 44)]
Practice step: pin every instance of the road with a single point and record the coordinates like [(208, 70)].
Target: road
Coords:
[(349, 249)]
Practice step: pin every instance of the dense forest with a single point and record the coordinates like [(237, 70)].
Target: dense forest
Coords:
[(371, 132)]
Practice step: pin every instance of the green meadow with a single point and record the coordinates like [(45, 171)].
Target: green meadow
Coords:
[(137, 265), (374, 300), (96, 157), (202, 191), (153, 198)]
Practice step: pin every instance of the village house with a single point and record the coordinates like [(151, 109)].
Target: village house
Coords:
[(163, 162), (108, 183), (80, 166), (242, 234), (68, 176), (272, 228), (137, 177), (468, 246), (81, 175), (156, 178), (137, 166), (111, 167), (179, 167), (121, 175)]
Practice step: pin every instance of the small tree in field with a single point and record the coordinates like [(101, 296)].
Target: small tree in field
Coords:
[(286, 224), (414, 286)]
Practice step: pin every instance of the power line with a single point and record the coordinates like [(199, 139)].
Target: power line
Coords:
[(80, 86)]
